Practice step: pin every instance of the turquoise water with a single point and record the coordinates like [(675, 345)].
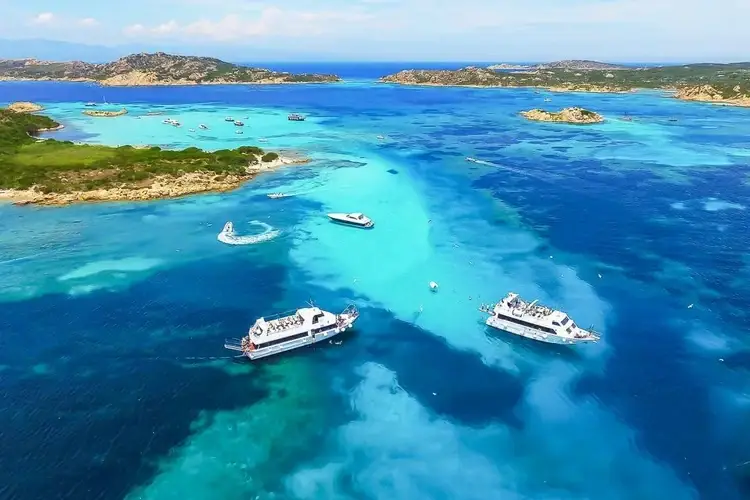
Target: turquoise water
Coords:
[(114, 315)]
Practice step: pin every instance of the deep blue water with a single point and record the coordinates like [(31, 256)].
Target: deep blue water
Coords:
[(111, 390)]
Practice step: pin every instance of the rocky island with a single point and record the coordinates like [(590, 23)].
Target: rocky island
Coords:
[(55, 172), (104, 113), (153, 69), (567, 115), (715, 83)]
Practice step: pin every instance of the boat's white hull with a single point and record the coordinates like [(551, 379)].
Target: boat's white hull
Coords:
[(348, 222), (533, 334), (297, 343)]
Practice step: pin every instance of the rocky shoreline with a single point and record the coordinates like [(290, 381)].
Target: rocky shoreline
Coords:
[(160, 187)]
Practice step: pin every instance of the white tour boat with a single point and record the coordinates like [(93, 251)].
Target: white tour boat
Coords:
[(277, 195), (534, 321), (353, 219), (288, 331)]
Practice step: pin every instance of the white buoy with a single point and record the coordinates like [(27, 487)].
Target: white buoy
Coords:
[(433, 286)]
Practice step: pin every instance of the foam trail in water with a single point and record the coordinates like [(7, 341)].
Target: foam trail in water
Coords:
[(228, 236)]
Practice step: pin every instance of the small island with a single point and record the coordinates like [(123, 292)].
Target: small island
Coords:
[(568, 115), (104, 113), (153, 69), (714, 83), (52, 172)]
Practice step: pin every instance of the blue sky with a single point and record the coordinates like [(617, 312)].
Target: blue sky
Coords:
[(486, 30)]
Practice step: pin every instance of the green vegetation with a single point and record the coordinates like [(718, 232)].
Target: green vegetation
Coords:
[(61, 166), (269, 157)]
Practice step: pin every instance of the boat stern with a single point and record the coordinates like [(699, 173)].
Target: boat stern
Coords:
[(347, 317)]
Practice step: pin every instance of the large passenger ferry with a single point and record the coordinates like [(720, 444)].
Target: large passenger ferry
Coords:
[(288, 331), (534, 321)]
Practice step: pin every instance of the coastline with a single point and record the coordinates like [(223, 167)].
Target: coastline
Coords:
[(157, 188), (673, 93)]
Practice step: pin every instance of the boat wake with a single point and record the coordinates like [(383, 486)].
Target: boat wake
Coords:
[(230, 237), (482, 162)]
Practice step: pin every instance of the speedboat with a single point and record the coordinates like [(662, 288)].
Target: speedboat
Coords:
[(473, 160), (228, 119), (354, 219), (201, 126), (191, 130), (90, 104), (262, 139), (295, 117), (238, 131), (535, 321), (277, 195), (239, 123), (292, 330)]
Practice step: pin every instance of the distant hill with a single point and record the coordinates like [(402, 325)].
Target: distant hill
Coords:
[(581, 65), (152, 69), (572, 64)]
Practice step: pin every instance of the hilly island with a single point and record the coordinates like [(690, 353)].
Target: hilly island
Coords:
[(717, 83), (153, 69), (51, 172)]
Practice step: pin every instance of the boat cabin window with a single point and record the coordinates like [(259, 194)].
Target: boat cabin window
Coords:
[(556, 323), (565, 320), (317, 317)]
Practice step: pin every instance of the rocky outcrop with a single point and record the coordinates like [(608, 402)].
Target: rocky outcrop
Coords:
[(708, 93), (103, 113), (25, 107), (568, 115), (152, 69)]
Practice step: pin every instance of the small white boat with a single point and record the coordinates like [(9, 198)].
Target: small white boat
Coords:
[(239, 123), (262, 139), (548, 100), (380, 137), (90, 104), (238, 131), (288, 331), (473, 160), (203, 127), (433, 286), (277, 195), (228, 119), (191, 130), (354, 219)]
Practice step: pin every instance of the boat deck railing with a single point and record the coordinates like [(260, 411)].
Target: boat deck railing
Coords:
[(233, 344)]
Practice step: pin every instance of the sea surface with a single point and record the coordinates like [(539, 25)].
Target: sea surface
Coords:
[(115, 383)]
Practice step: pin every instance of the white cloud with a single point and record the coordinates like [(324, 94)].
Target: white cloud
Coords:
[(44, 18), (88, 21), (134, 29), (270, 21)]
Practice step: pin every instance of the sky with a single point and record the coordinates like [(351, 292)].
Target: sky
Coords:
[(395, 30)]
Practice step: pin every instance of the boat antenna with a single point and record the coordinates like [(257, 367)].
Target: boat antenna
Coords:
[(311, 303)]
